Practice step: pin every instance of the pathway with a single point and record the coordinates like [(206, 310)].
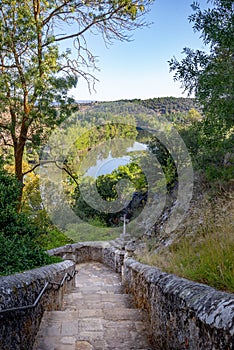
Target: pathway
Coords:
[(96, 315)]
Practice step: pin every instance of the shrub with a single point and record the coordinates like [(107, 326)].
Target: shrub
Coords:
[(12, 222), (53, 238), (20, 253), (19, 249)]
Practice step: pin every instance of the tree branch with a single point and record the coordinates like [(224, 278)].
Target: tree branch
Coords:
[(68, 172), (99, 19), (55, 12), (8, 66), (51, 162)]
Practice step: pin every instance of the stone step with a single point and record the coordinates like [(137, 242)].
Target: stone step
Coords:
[(96, 315), (115, 314), (119, 329), (100, 289), (78, 301)]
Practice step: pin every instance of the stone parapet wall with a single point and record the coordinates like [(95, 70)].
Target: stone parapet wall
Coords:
[(18, 328), (183, 314), (102, 252)]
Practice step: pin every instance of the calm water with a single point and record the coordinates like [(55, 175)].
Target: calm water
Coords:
[(107, 165)]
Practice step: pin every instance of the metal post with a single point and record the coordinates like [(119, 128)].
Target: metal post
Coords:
[(124, 225)]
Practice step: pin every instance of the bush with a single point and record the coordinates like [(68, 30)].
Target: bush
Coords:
[(9, 191), (12, 222), (20, 253), (19, 249), (53, 238)]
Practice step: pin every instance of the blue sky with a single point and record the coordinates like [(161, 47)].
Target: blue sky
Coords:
[(139, 69)]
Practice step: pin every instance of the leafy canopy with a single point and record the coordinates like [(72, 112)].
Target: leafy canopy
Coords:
[(211, 75)]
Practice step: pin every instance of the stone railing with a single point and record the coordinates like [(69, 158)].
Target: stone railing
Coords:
[(103, 252), (183, 314), (21, 307)]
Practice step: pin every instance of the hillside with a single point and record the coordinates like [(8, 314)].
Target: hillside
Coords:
[(166, 106), (169, 105)]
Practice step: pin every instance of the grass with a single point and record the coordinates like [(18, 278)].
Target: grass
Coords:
[(206, 256), (85, 233)]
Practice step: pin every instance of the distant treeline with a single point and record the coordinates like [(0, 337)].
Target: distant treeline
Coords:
[(169, 105)]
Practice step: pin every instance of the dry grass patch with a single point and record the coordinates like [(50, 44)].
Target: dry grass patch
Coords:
[(207, 255)]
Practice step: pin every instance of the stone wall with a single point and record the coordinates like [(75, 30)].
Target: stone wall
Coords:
[(103, 252), (18, 328), (183, 314)]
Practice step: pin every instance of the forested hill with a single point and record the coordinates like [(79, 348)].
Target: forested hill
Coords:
[(167, 106)]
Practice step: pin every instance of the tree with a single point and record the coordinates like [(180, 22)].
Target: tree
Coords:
[(211, 75), (36, 76)]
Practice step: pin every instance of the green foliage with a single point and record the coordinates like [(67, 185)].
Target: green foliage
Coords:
[(171, 107), (106, 186), (20, 246), (12, 222), (101, 133), (213, 155), (52, 238), (9, 191), (20, 253), (193, 116), (166, 161), (211, 77)]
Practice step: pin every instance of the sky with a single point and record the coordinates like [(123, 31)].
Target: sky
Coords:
[(139, 69)]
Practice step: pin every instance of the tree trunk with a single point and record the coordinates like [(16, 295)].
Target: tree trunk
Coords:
[(18, 154)]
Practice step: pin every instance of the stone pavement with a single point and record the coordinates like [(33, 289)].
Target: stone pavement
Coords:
[(96, 315)]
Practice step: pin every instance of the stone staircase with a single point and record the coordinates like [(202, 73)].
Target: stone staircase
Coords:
[(96, 315)]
